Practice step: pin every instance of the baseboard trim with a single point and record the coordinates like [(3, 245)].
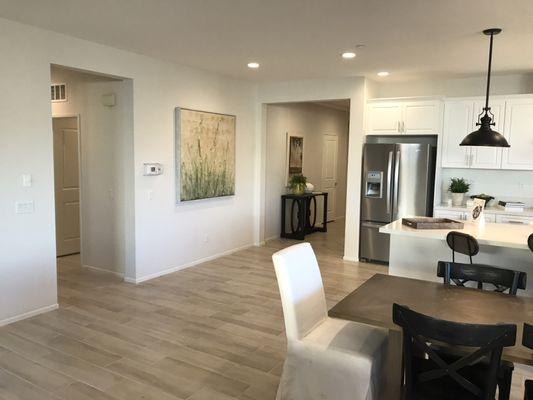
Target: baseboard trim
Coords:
[(29, 314), (184, 266), (351, 259), (100, 269), (268, 239)]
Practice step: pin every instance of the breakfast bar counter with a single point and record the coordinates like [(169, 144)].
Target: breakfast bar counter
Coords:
[(414, 253)]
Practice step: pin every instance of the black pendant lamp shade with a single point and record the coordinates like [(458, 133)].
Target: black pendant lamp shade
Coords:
[(485, 135)]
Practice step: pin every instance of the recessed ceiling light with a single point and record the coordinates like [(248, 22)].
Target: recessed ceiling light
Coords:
[(348, 55), (383, 73), (253, 65)]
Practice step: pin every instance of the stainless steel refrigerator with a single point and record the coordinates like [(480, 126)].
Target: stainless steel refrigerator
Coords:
[(398, 181)]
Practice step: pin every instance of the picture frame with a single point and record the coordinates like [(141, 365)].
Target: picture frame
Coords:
[(205, 154), (294, 156)]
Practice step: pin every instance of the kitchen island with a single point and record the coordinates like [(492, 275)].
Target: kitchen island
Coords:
[(414, 253)]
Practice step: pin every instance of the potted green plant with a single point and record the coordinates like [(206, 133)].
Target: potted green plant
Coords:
[(297, 184), (458, 188)]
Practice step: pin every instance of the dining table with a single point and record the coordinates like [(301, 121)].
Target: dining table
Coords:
[(371, 303)]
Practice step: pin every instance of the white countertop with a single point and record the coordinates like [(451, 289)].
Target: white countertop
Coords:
[(500, 235), (528, 212)]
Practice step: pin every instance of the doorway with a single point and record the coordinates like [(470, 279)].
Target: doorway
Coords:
[(92, 128), (66, 135), (321, 127)]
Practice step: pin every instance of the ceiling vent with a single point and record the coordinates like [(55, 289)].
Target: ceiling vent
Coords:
[(58, 92)]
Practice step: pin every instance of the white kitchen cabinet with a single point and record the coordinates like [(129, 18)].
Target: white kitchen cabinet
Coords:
[(458, 120), (421, 117), (488, 157), (519, 134), (384, 118), (397, 117), (513, 119)]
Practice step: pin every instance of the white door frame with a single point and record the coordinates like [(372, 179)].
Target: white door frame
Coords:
[(80, 161), (330, 200)]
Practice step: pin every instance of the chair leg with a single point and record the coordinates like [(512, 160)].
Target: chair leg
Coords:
[(504, 383)]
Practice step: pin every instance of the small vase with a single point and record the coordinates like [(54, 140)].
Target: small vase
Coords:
[(298, 190), (457, 199)]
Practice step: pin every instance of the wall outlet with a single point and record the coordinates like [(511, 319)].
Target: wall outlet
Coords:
[(24, 207), (206, 239)]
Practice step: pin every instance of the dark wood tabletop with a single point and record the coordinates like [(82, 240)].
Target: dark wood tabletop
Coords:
[(371, 303)]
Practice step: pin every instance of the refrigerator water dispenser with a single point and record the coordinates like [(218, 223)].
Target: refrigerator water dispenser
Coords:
[(374, 184)]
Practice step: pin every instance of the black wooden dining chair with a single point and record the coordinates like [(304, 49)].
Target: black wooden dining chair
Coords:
[(462, 243), (437, 377), (501, 279), (527, 340)]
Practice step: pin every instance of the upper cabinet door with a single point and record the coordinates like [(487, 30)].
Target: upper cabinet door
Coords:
[(421, 117), (488, 157), (519, 134), (458, 119), (383, 118)]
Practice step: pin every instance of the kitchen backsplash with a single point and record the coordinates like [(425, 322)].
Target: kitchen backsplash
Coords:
[(503, 185)]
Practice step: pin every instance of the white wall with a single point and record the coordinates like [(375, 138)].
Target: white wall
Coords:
[(166, 236), (312, 122), (455, 87), (310, 90), (501, 184), (106, 149), (498, 183)]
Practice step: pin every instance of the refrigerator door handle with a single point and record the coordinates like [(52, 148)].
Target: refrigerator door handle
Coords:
[(389, 183), (396, 182)]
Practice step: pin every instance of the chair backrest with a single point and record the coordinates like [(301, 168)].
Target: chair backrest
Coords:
[(502, 279), (420, 332), (462, 243), (530, 242), (301, 289), (527, 336)]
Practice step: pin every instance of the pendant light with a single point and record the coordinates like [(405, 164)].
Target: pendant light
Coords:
[(485, 135)]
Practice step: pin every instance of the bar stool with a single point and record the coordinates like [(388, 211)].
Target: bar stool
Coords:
[(462, 243)]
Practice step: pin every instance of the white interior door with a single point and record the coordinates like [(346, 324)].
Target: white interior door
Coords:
[(67, 184), (329, 172)]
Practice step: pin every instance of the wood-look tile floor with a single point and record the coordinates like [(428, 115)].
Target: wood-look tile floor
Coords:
[(211, 332)]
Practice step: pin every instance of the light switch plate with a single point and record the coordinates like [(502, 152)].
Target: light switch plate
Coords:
[(152, 169), (26, 180), (24, 207)]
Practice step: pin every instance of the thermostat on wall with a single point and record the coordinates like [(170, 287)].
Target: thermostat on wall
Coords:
[(151, 169)]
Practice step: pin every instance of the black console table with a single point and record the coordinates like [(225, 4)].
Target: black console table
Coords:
[(300, 210)]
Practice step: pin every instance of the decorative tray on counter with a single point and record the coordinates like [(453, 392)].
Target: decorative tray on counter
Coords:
[(432, 223)]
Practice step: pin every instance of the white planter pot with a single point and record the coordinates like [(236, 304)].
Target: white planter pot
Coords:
[(457, 199)]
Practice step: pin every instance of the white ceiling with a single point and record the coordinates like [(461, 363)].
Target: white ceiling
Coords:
[(295, 39)]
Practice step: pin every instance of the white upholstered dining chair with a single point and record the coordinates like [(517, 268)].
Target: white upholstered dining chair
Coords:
[(327, 358)]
